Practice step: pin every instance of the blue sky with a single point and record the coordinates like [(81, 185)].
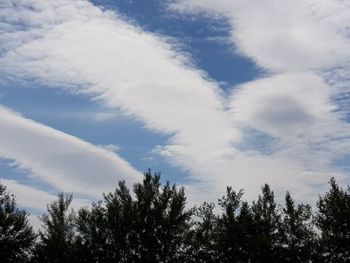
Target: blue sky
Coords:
[(233, 93)]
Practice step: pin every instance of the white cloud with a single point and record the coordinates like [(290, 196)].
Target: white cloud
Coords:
[(249, 171), (64, 161), (284, 35), (111, 147), (95, 116), (295, 109)]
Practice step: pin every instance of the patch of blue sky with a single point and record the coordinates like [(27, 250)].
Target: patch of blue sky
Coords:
[(342, 101), (342, 163), (257, 141)]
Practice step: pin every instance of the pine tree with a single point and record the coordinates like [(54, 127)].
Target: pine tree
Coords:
[(247, 230), (161, 220), (16, 235), (151, 227), (296, 232), (333, 219), (120, 220), (57, 236), (230, 230), (93, 235), (266, 222)]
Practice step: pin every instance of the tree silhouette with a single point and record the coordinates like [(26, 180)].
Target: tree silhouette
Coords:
[(161, 220), (333, 219), (297, 234), (151, 227), (153, 224), (16, 235), (57, 236), (202, 239), (93, 237), (230, 230), (266, 222), (106, 231)]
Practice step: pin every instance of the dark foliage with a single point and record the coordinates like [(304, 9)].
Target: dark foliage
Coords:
[(151, 227), (266, 220), (333, 219), (297, 235), (152, 224), (201, 241), (16, 236), (57, 236)]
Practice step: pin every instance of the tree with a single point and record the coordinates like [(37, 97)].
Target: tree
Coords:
[(57, 236), (266, 222), (231, 231), (93, 241), (106, 232), (151, 227), (161, 220), (202, 238), (247, 232), (16, 236), (333, 219), (296, 232)]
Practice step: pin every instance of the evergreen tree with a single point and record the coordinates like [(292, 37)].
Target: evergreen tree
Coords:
[(161, 220), (231, 233), (333, 219), (93, 235), (266, 223), (152, 224), (120, 222), (247, 232), (16, 236), (297, 235), (57, 236), (148, 228)]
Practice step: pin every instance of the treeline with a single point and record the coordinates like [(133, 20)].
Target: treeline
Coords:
[(153, 224)]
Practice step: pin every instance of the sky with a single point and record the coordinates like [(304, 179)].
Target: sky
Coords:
[(210, 93)]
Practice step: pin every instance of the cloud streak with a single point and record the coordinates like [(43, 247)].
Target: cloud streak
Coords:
[(64, 161)]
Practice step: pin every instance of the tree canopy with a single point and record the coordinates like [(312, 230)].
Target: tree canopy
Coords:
[(151, 222)]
